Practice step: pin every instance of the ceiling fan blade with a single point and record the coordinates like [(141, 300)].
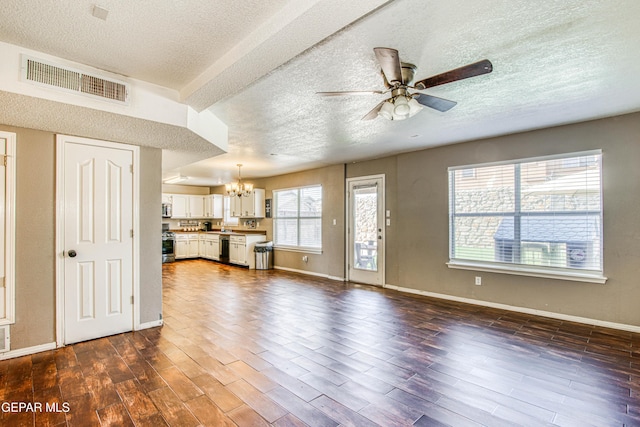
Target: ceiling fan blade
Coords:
[(471, 70), (434, 102), (374, 113), (390, 64), (351, 92)]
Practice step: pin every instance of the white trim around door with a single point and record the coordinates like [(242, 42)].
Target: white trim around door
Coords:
[(61, 141), (365, 243)]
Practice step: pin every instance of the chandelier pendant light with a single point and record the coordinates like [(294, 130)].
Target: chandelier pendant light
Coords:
[(239, 188)]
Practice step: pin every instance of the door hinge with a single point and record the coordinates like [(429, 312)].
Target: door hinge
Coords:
[(132, 299), (4, 159), (131, 232), (131, 168)]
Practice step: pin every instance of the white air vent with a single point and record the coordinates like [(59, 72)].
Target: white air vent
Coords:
[(5, 342), (44, 73)]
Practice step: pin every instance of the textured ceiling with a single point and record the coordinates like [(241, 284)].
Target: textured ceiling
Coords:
[(166, 42), (555, 62)]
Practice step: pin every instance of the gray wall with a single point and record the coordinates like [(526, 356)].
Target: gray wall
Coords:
[(35, 237), (331, 261), (417, 241), (332, 178), (150, 234)]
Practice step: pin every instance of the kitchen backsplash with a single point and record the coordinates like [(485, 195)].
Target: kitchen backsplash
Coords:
[(194, 224)]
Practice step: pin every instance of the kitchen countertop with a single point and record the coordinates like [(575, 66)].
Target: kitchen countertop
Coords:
[(236, 232)]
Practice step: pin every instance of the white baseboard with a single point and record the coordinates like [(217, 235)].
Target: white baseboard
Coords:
[(27, 351), (559, 316), (310, 273), (148, 325)]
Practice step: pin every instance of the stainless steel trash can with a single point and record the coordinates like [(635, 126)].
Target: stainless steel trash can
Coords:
[(264, 255)]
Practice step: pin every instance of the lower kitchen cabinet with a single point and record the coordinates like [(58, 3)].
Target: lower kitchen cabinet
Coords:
[(211, 247), (241, 249), (182, 249), (238, 250), (207, 246), (187, 246)]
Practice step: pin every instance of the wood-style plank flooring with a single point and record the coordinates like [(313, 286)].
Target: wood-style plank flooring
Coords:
[(258, 348)]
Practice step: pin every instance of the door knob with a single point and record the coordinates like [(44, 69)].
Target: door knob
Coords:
[(72, 253)]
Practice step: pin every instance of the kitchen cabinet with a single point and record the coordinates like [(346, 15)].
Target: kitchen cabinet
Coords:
[(209, 246), (235, 206), (238, 250), (215, 246), (208, 249), (195, 206), (248, 207), (241, 248), (187, 245), (187, 206), (202, 245), (180, 206), (213, 206), (182, 249)]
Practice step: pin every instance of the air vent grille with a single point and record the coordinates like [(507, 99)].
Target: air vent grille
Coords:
[(104, 88), (51, 75)]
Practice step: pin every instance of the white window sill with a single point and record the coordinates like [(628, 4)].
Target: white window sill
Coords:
[(298, 249), (575, 276)]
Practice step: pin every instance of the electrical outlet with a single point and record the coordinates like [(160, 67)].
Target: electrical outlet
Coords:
[(305, 258), (478, 280)]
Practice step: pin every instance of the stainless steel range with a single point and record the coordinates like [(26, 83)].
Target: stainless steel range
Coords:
[(168, 244)]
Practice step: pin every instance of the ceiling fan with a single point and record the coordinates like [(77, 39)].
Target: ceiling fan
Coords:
[(397, 79)]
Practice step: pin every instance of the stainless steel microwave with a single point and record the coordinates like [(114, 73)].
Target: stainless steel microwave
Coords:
[(166, 210)]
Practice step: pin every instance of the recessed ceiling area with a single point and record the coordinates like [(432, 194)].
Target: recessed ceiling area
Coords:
[(257, 66)]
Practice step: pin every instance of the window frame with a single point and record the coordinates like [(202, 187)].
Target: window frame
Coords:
[(298, 247), (227, 219), (563, 273)]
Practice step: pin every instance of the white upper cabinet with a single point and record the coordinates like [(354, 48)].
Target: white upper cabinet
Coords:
[(180, 205), (249, 207), (213, 206), (194, 206)]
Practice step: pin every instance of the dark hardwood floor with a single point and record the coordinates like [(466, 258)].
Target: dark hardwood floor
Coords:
[(257, 348)]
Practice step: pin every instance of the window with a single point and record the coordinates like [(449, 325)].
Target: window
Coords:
[(297, 220), (227, 218), (541, 216)]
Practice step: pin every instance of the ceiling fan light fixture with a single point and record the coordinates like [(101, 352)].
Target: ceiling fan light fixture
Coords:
[(401, 108), (414, 107), (386, 110)]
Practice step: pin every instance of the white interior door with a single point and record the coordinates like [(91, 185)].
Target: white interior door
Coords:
[(98, 242), (365, 236)]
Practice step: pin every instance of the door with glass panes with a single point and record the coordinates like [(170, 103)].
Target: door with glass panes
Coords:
[(365, 229)]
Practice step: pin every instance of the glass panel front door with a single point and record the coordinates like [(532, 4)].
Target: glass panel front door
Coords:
[(365, 227), (365, 238)]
